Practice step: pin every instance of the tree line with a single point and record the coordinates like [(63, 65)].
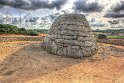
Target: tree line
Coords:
[(10, 29)]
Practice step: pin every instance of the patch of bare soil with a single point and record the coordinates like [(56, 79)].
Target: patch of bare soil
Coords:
[(27, 62)]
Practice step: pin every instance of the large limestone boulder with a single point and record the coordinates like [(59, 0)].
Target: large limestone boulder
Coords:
[(70, 35)]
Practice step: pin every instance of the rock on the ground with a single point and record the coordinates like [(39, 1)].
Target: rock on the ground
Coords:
[(70, 35)]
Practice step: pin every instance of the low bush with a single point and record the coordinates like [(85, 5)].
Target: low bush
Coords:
[(8, 29), (32, 33), (22, 31)]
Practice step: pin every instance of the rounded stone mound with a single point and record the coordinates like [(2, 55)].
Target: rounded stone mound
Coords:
[(70, 35)]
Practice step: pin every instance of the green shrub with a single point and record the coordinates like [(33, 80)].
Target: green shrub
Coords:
[(102, 36), (33, 33), (8, 29), (43, 31), (22, 31)]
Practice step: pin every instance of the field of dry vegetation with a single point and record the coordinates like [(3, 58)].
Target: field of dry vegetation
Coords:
[(27, 62)]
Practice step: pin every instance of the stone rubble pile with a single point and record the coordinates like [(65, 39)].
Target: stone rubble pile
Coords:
[(70, 35)]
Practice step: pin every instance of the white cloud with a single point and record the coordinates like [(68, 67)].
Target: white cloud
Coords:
[(67, 8)]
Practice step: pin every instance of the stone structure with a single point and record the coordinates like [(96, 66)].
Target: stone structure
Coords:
[(70, 35)]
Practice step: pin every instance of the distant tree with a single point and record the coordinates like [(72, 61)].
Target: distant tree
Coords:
[(10, 29)]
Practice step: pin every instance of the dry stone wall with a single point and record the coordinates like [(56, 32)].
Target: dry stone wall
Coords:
[(70, 35), (10, 39)]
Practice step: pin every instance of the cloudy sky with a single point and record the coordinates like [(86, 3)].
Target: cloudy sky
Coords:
[(101, 14)]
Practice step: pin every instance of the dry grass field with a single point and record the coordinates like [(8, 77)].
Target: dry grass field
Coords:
[(27, 62)]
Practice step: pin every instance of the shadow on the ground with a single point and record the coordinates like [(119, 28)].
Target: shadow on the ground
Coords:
[(32, 62)]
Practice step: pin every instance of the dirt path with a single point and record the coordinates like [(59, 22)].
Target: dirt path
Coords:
[(26, 62)]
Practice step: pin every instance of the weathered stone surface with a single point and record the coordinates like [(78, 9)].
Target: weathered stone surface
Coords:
[(70, 35)]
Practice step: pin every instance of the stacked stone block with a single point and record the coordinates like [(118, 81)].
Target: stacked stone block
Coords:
[(70, 35)]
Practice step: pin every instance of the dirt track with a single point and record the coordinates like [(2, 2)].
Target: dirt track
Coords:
[(26, 62)]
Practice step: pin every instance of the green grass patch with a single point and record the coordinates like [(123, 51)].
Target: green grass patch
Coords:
[(115, 37)]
